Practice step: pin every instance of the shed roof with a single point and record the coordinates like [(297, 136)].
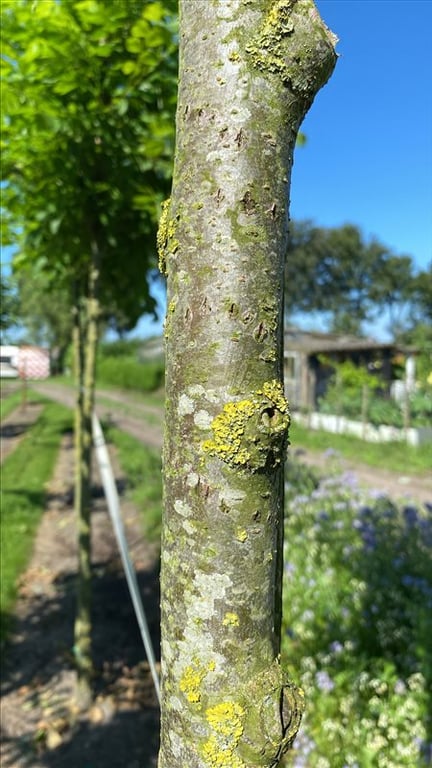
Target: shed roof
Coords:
[(314, 342)]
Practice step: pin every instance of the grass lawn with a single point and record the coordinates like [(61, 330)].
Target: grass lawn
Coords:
[(396, 457), (9, 403), (24, 475)]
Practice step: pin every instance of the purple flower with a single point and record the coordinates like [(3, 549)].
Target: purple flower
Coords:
[(336, 647), (324, 681), (410, 515)]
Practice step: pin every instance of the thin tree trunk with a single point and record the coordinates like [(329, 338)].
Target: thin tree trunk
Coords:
[(85, 363), (248, 73)]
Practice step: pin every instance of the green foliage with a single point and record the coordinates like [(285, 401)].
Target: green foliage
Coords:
[(382, 411), (120, 364), (346, 392), (420, 337), (24, 475), (121, 348), (129, 373), (421, 406), (299, 478), (358, 620), (8, 304), (88, 100)]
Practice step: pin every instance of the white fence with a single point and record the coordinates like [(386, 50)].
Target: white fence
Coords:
[(370, 433)]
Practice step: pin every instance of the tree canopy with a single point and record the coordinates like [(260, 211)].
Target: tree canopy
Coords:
[(335, 271), (88, 98)]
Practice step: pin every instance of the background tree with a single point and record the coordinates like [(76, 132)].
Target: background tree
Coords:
[(225, 698), (88, 91), (423, 296), (334, 271), (8, 305), (45, 314), (393, 290)]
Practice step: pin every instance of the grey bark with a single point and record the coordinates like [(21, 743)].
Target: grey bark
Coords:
[(249, 71)]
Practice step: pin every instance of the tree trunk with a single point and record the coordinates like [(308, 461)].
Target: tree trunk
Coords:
[(85, 349), (248, 73)]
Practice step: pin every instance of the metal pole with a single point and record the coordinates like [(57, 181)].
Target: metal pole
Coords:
[(111, 494)]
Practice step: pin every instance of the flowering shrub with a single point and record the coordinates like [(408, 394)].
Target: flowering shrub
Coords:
[(358, 627)]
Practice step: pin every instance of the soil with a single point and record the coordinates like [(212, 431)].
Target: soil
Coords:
[(40, 728)]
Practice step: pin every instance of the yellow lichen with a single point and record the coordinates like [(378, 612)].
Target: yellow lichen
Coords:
[(231, 620), (226, 718), (241, 534), (226, 721), (247, 431), (228, 429), (192, 677), (220, 757), (274, 391)]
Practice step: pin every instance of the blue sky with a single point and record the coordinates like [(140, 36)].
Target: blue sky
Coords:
[(368, 157)]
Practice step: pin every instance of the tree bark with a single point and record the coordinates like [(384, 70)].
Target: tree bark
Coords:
[(248, 73), (85, 349)]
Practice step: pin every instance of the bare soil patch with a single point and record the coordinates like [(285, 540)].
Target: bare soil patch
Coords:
[(40, 729)]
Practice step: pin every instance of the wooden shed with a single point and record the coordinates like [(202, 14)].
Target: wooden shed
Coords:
[(308, 356)]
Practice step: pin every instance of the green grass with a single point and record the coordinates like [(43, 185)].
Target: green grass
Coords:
[(143, 467), (9, 403), (396, 457), (24, 475)]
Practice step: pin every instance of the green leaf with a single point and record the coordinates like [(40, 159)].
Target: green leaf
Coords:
[(129, 67), (54, 225)]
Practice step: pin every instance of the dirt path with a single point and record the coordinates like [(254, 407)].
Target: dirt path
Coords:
[(39, 729)]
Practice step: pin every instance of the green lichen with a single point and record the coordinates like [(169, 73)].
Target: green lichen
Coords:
[(166, 242), (274, 707), (267, 49), (293, 44), (168, 317), (251, 433)]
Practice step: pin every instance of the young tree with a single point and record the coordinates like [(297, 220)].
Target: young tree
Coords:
[(88, 90), (249, 72)]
